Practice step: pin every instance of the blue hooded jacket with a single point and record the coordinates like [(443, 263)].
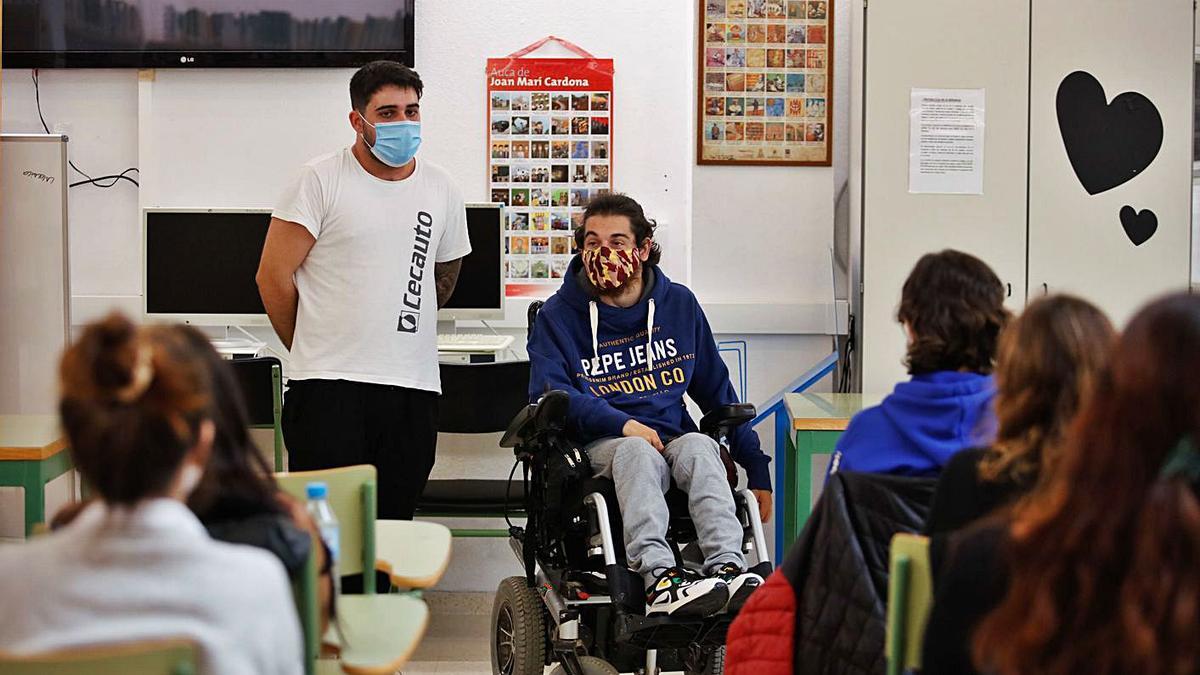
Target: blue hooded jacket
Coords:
[(916, 429), (603, 357)]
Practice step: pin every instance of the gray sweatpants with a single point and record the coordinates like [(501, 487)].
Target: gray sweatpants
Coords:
[(643, 475)]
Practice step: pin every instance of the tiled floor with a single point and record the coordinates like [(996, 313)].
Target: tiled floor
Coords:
[(458, 639)]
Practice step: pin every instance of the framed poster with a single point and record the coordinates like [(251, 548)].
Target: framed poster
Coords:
[(765, 83), (550, 151)]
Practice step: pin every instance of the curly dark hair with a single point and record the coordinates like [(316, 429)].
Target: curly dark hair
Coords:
[(953, 304), (615, 204)]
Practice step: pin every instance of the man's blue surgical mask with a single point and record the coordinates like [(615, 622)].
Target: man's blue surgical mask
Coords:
[(396, 143)]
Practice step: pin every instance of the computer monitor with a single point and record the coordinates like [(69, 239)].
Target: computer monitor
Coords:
[(479, 293), (199, 265)]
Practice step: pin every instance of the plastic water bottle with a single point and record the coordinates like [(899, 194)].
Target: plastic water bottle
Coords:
[(326, 521)]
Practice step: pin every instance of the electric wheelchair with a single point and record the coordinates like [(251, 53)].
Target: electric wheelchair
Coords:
[(578, 604)]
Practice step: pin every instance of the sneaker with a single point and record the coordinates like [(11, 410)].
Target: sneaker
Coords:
[(741, 585), (680, 592)]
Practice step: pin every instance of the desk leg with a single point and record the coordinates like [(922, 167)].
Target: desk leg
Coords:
[(807, 445), (38, 474), (800, 478), (35, 496)]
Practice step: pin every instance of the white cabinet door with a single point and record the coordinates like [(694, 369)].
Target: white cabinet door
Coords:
[(1077, 242), (941, 44)]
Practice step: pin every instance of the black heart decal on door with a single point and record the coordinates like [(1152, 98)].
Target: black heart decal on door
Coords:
[(1107, 143), (1139, 225)]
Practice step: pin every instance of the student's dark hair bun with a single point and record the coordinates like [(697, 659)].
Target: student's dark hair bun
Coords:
[(132, 399), (102, 365)]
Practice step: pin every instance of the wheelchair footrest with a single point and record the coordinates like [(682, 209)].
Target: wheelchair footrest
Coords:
[(664, 632)]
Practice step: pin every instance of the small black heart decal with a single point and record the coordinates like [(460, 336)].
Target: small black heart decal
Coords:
[(1139, 225), (1107, 143)]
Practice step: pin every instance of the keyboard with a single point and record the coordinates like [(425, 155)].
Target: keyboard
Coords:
[(473, 342)]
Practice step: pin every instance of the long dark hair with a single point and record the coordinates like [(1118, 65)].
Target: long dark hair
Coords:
[(238, 481), (954, 305), (1105, 556)]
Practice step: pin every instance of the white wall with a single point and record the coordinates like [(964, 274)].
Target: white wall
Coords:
[(758, 237)]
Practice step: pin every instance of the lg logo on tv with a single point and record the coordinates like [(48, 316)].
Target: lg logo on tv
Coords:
[(187, 59)]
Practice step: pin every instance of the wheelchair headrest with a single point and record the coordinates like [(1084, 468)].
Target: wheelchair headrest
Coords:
[(549, 414)]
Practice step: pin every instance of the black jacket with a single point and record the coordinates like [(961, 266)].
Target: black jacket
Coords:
[(838, 573), (962, 497)]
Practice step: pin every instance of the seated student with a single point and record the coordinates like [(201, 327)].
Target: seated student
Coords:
[(237, 499), (952, 309), (136, 564), (626, 344), (1098, 571), (1047, 359)]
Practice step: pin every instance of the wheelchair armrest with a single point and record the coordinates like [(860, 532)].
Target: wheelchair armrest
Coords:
[(516, 428), (548, 414), (721, 419)]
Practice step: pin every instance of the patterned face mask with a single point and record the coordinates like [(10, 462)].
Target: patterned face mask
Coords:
[(610, 268)]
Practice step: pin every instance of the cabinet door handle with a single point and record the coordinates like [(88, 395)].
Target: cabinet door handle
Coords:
[(1009, 289), (1045, 288)]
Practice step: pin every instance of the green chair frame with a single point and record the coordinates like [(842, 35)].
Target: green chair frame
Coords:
[(351, 494), (152, 657), (910, 596), (352, 497), (277, 412)]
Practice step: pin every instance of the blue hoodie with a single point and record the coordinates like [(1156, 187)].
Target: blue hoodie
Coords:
[(635, 377), (920, 425)]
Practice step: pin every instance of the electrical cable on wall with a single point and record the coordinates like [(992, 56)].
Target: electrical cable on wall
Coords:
[(846, 366), (115, 178)]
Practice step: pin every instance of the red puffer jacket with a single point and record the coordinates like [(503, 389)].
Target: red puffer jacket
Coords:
[(760, 639)]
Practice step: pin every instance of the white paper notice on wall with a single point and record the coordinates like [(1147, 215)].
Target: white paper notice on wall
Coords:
[(945, 141)]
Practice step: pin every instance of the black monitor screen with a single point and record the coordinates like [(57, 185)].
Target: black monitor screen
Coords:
[(196, 33), (479, 284), (204, 263)]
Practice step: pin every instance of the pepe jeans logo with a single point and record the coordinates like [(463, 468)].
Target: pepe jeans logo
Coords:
[(410, 320)]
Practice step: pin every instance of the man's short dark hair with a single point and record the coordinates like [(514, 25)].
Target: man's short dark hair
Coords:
[(954, 305), (615, 204), (379, 74)]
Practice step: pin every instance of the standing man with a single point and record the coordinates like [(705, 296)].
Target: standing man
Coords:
[(362, 250)]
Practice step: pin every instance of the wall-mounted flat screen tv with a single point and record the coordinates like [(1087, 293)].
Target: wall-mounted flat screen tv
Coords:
[(205, 33)]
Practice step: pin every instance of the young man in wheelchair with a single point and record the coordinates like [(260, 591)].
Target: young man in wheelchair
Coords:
[(626, 344)]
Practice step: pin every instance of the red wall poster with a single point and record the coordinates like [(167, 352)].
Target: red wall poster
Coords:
[(550, 151)]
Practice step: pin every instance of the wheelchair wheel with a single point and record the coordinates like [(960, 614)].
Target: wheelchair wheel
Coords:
[(710, 663), (591, 666), (518, 630)]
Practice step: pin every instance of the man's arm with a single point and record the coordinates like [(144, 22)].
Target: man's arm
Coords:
[(286, 247), (710, 387), (446, 276)]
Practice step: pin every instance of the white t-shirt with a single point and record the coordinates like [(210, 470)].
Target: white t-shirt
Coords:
[(147, 573), (368, 298)]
